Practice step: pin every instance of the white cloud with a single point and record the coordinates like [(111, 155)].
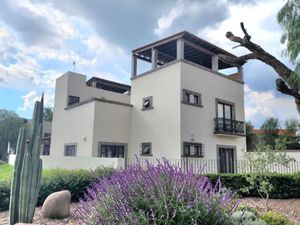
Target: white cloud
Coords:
[(29, 100), (100, 47), (259, 20), (166, 20), (259, 105), (32, 96)]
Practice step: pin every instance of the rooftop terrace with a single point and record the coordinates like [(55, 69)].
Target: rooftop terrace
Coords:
[(184, 46)]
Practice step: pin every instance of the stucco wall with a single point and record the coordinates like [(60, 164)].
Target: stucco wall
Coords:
[(76, 125), (160, 125), (111, 124), (197, 124)]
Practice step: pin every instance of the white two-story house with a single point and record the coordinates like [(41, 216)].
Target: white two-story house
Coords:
[(184, 107)]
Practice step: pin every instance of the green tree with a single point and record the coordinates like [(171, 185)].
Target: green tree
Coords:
[(270, 129), (251, 138), (10, 123), (48, 114), (292, 125)]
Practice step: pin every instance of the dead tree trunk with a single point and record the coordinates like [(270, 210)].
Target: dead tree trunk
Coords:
[(283, 84)]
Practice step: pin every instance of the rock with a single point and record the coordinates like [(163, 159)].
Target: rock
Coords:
[(57, 205)]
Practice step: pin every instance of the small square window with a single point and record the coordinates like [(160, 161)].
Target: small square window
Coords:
[(70, 150), (147, 103), (146, 149), (73, 100), (192, 149), (191, 98)]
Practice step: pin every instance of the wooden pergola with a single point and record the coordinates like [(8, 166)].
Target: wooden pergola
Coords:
[(182, 46)]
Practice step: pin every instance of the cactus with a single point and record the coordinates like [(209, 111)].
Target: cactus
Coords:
[(27, 174)]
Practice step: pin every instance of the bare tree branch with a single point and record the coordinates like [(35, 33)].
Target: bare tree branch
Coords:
[(283, 84)]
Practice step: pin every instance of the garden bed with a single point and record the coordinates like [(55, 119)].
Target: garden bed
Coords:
[(288, 207)]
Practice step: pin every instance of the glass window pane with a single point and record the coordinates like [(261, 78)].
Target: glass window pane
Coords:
[(220, 110), (196, 99), (228, 112)]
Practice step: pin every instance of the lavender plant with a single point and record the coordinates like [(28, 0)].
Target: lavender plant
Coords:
[(160, 194)]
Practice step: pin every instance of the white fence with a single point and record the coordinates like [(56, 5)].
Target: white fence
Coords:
[(207, 166)]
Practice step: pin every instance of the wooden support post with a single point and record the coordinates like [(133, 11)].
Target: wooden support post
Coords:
[(215, 63), (133, 66), (180, 49), (154, 58)]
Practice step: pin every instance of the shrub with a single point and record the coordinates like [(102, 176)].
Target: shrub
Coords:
[(248, 208), (247, 218), (76, 181), (161, 194), (285, 185), (275, 218)]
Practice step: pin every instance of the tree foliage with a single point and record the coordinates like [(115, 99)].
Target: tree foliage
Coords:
[(10, 124), (270, 131), (48, 114)]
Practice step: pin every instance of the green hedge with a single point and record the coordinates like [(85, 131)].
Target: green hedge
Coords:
[(76, 181), (285, 185)]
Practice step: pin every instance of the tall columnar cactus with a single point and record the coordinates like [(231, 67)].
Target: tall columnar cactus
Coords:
[(27, 175)]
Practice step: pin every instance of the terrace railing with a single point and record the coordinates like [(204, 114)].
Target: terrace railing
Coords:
[(229, 126)]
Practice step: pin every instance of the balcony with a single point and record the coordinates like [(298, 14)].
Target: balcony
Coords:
[(229, 127)]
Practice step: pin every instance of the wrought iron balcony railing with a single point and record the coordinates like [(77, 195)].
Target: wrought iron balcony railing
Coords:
[(229, 126)]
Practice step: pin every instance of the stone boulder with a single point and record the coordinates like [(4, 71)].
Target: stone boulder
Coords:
[(57, 205)]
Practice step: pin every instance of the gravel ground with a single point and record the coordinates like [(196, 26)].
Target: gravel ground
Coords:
[(288, 207), (38, 219)]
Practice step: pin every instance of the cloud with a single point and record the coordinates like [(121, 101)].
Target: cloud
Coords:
[(32, 96), (190, 15), (37, 23), (262, 104), (29, 100)]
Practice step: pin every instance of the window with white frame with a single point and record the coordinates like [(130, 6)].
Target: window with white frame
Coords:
[(146, 149), (191, 98), (191, 149), (147, 103), (70, 150)]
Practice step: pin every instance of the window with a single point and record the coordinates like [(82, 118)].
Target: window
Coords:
[(73, 100), (225, 110), (193, 150), (191, 98), (111, 150), (46, 150), (70, 150), (146, 149), (47, 135), (147, 103)]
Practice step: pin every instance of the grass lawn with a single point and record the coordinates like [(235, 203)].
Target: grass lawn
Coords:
[(6, 171)]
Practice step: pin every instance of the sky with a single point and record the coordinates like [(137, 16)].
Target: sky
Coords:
[(39, 40)]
